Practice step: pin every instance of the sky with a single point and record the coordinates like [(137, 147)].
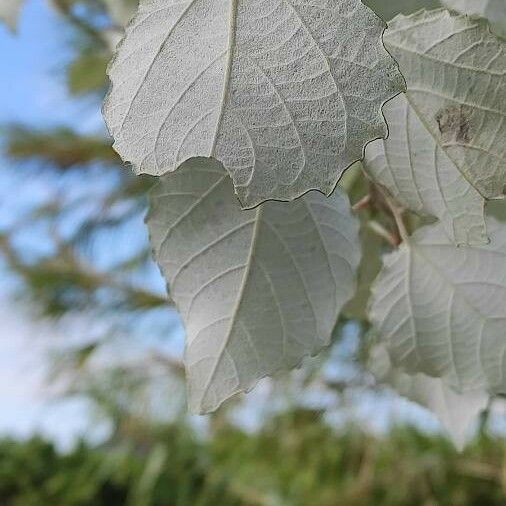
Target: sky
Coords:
[(32, 91), (32, 87)]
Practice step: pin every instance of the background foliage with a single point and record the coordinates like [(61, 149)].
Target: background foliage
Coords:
[(293, 460)]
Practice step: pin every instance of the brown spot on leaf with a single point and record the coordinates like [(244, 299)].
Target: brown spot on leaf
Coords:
[(454, 124)]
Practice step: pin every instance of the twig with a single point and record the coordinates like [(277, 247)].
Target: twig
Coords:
[(362, 203), (381, 231), (397, 213)]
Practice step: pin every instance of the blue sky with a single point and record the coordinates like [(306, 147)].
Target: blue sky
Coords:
[(32, 91), (32, 87)]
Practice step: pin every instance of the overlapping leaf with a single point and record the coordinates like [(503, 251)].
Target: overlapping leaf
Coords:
[(419, 174), (441, 310), (456, 75), (493, 10), (258, 290), (285, 93), (456, 411)]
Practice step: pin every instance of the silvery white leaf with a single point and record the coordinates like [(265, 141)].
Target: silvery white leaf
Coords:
[(416, 171), (441, 310), (493, 10), (457, 411), (456, 75), (257, 290), (285, 93), (9, 12)]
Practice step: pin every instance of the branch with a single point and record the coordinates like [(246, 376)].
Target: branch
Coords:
[(397, 213), (382, 232)]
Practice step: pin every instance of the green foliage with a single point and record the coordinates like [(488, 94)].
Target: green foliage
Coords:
[(59, 147), (32, 473), (87, 74), (298, 460), (295, 460)]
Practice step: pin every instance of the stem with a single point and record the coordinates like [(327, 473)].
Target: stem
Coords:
[(382, 232), (362, 203), (397, 213)]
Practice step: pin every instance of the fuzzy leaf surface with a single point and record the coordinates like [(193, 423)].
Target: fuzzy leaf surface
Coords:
[(456, 76), (257, 290), (418, 173), (441, 310), (285, 93)]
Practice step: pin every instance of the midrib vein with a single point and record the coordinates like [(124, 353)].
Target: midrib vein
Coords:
[(238, 302), (232, 32)]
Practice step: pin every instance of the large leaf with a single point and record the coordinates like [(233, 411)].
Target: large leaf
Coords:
[(493, 10), (258, 290), (456, 411), (285, 93), (441, 310), (416, 170), (456, 75), (9, 12)]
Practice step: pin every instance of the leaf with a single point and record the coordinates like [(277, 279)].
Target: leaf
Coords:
[(9, 12), (285, 93), (441, 310), (456, 411), (417, 172), (456, 75), (493, 10), (257, 290)]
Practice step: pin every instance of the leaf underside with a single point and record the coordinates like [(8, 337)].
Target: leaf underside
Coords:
[(456, 411), (285, 93), (257, 290), (416, 171), (441, 310), (455, 71)]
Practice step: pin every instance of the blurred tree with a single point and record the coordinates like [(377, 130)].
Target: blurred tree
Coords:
[(294, 460), (96, 256)]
